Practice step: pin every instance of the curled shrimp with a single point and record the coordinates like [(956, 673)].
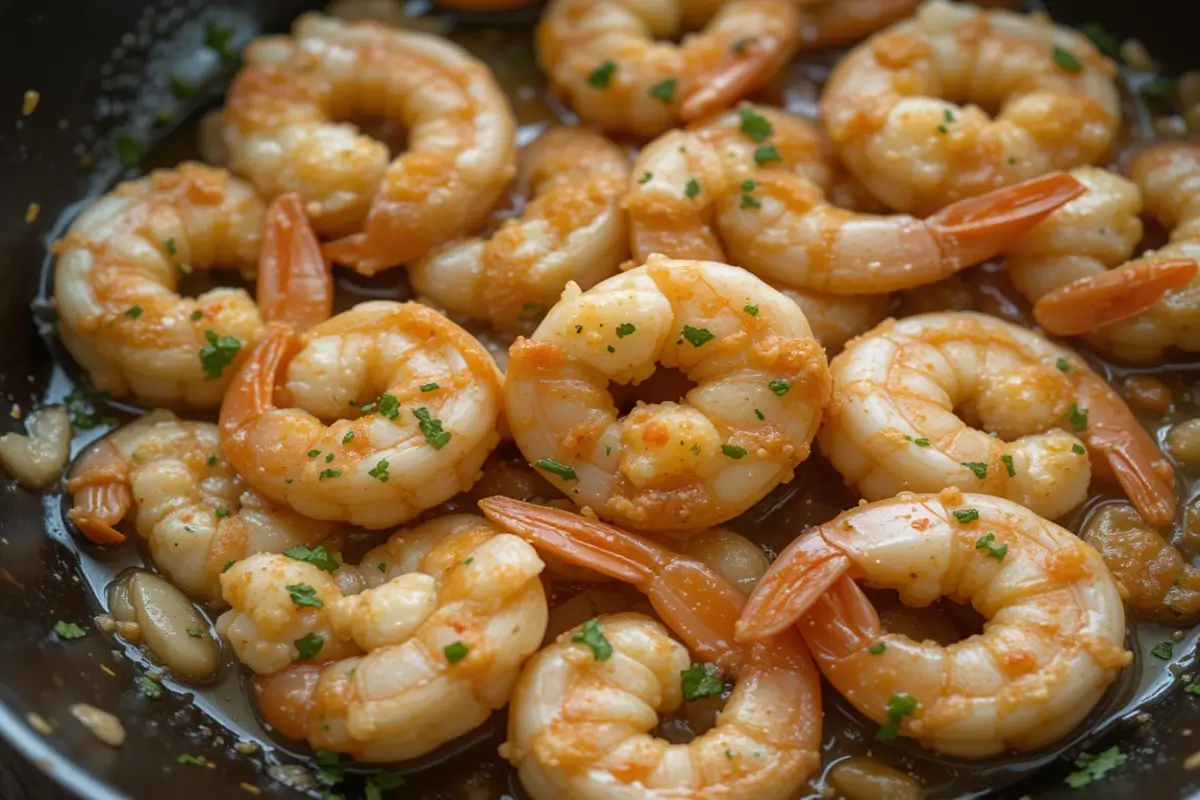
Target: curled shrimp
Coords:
[(1073, 266), (833, 22), (894, 424), (886, 110), (427, 646), (1052, 643), (761, 386), (572, 230), (192, 509), (602, 56), (279, 129), (118, 270), (581, 717), (422, 395), (749, 183)]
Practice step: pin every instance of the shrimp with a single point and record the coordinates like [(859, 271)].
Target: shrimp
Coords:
[(583, 711), (425, 651), (1052, 643), (1073, 266), (837, 318), (601, 55), (192, 509), (750, 183), (279, 131), (887, 105), (834, 22), (761, 384), (892, 425), (119, 265), (573, 229), (423, 397)]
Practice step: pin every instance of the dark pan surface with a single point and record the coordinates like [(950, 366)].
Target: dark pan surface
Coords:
[(90, 59)]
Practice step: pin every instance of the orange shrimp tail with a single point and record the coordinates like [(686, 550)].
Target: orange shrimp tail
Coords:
[(287, 699), (295, 282), (804, 571), (251, 393), (101, 498), (977, 228), (840, 622), (696, 602), (1092, 302), (1134, 459)]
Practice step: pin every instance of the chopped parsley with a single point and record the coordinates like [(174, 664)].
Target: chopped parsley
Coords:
[(380, 471), (697, 337), (195, 633), (664, 91), (601, 76), (170, 245), (329, 458), (329, 770), (349, 435), (1078, 449), (379, 783), (221, 513), (212, 460), (133, 312), (739, 46), (129, 149), (592, 635), (318, 556), (1095, 767), (765, 154), (309, 645), (455, 652), (1063, 365), (733, 451), (966, 515), (624, 329), (313, 453), (1193, 688), (431, 428), (978, 467), (1163, 650), (148, 686), (988, 542), (1066, 59), (1105, 42), (68, 630), (218, 354), (555, 467), (82, 412), (381, 566), (388, 406), (217, 38), (750, 201), (184, 758), (1078, 417), (755, 125), (692, 189), (751, 310), (331, 472), (700, 681), (899, 706), (779, 386), (304, 595), (429, 387), (228, 564), (1008, 465), (877, 648), (759, 414), (646, 176), (922, 442)]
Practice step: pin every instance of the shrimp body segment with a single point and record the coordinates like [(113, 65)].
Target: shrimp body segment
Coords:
[(192, 509), (118, 271), (761, 387), (890, 104), (712, 188), (603, 57), (414, 647), (381, 412), (279, 128), (580, 726), (572, 230), (1052, 643), (914, 397)]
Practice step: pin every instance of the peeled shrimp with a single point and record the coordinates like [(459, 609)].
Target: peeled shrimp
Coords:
[(279, 129), (581, 718), (572, 230), (832, 22), (887, 105), (601, 55), (118, 269), (1052, 643), (194, 512), (422, 398), (425, 651), (895, 425), (761, 386), (1073, 266)]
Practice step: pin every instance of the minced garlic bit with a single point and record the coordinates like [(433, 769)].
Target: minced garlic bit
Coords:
[(30, 102), (1192, 761), (251, 788), (1134, 53), (31, 213), (103, 725), (39, 724)]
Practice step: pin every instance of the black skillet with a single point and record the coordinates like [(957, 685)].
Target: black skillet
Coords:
[(94, 64)]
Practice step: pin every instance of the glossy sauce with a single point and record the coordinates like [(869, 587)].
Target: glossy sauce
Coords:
[(470, 769)]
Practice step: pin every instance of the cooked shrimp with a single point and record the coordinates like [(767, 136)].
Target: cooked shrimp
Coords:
[(194, 512), (425, 653), (601, 55), (582, 715), (279, 129), (893, 426), (1052, 643), (833, 22), (761, 386), (837, 318), (572, 230), (423, 397), (750, 183), (1073, 266), (486, 5), (888, 104), (115, 283)]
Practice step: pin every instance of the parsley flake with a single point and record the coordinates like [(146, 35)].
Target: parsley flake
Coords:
[(308, 645), (692, 189), (1078, 417), (133, 312), (68, 630), (380, 471), (218, 354), (765, 154), (779, 386), (304, 595), (429, 387), (966, 515), (1066, 59), (601, 76), (978, 467), (1063, 365), (877, 648), (1095, 767), (899, 706), (1008, 466), (751, 310), (733, 451), (664, 91), (431, 428), (697, 337), (755, 125), (922, 442), (624, 329), (988, 542), (592, 635), (700, 681), (455, 652), (645, 177), (1163, 650), (388, 406), (318, 556), (329, 473), (555, 467)]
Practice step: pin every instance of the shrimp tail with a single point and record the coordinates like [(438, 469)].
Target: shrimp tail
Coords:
[(295, 281), (1094, 301), (977, 228), (846, 618), (796, 580), (697, 603), (100, 491), (251, 393)]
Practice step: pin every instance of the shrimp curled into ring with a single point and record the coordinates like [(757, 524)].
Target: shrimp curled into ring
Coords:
[(1052, 643), (391, 659), (893, 426), (279, 130), (423, 394), (118, 271), (917, 152), (603, 57), (761, 386), (572, 230), (580, 721)]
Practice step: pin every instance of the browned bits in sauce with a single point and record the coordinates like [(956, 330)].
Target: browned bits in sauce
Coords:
[(1148, 394)]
